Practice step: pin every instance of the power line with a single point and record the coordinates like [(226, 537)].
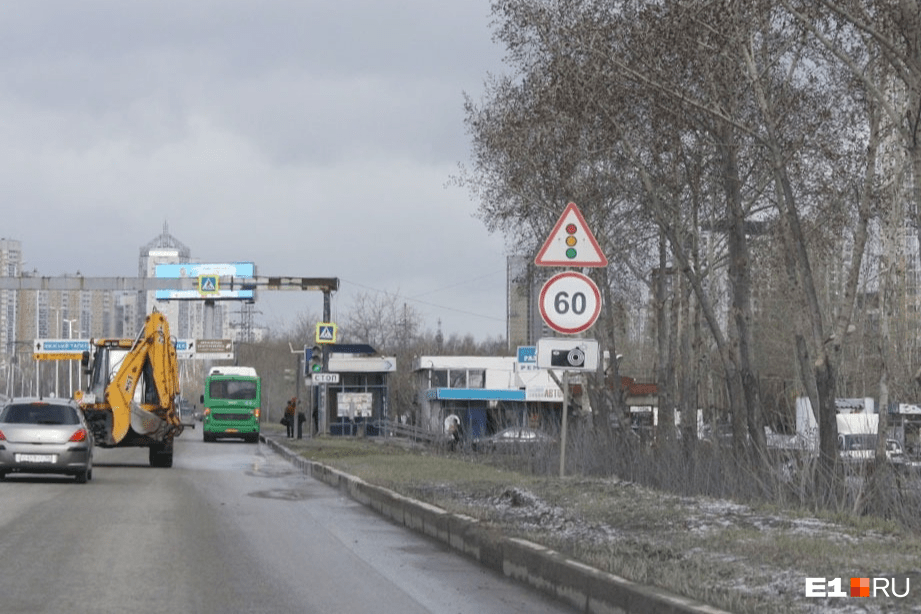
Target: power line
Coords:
[(461, 283), (415, 300)]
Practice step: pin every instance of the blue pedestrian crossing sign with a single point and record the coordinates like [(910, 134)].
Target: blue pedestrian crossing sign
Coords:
[(326, 332), (208, 284)]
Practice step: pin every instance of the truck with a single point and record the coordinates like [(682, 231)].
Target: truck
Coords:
[(858, 430), (232, 403), (132, 391)]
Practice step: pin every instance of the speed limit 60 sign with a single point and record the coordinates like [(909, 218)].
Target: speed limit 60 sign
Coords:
[(570, 302)]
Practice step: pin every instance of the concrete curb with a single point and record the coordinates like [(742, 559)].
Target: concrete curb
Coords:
[(585, 588)]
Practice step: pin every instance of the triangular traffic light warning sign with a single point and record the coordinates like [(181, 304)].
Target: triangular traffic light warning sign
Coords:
[(571, 243)]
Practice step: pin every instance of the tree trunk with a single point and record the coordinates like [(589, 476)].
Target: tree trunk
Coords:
[(666, 405), (826, 484), (740, 295), (687, 397), (888, 281), (604, 388)]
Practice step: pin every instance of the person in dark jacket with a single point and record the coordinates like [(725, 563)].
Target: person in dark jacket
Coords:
[(290, 411)]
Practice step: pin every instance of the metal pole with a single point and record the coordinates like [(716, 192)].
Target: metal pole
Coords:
[(297, 375), (297, 394), (208, 319), (323, 400), (563, 429), (57, 363), (70, 363)]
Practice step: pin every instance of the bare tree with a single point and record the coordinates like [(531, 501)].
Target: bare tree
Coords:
[(382, 320), (891, 31), (683, 117), (602, 79)]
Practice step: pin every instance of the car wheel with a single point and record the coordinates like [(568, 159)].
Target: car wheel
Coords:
[(83, 476)]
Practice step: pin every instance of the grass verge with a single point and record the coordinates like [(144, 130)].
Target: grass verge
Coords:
[(736, 557)]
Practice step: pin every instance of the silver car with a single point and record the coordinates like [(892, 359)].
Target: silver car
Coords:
[(45, 435), (513, 438)]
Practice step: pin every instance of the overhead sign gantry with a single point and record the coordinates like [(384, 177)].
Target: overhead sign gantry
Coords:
[(70, 283), (208, 283), (208, 278)]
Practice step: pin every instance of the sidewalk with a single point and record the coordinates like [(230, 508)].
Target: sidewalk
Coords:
[(585, 588)]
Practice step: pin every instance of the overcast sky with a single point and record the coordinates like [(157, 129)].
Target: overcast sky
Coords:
[(315, 139)]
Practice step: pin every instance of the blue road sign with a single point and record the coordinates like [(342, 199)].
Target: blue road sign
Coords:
[(76, 346), (527, 354)]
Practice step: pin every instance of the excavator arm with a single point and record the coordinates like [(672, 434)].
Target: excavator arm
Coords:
[(117, 410), (153, 359)]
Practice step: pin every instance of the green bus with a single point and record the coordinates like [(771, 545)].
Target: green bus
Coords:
[(232, 404)]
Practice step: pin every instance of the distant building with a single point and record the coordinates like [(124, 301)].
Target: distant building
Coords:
[(26, 315), (163, 249), (10, 266), (186, 317), (77, 314), (524, 324)]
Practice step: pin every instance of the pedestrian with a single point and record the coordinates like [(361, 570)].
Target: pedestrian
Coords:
[(301, 419), (290, 410), (454, 432)]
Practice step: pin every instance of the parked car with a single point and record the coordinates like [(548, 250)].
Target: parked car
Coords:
[(513, 438), (45, 435), (186, 411)]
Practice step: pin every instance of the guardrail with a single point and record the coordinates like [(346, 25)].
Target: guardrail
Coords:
[(390, 428)]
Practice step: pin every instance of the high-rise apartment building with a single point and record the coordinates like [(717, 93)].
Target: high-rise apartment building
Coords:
[(10, 266), (163, 249), (186, 317), (524, 324)]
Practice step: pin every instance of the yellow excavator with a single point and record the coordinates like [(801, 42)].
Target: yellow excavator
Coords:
[(132, 394)]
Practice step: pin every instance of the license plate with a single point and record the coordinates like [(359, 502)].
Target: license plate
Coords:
[(36, 458)]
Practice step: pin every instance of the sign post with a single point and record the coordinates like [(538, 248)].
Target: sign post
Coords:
[(563, 435), (569, 302)]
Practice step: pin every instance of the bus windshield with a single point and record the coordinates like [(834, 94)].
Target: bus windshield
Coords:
[(232, 389)]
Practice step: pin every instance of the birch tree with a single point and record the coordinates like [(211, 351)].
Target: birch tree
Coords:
[(665, 119)]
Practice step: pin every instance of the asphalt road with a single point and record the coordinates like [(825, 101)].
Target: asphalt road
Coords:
[(231, 527)]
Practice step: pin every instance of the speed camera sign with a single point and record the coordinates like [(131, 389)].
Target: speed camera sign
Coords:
[(570, 302)]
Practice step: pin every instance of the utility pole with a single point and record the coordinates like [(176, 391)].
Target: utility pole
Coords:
[(298, 374), (323, 389), (70, 364)]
